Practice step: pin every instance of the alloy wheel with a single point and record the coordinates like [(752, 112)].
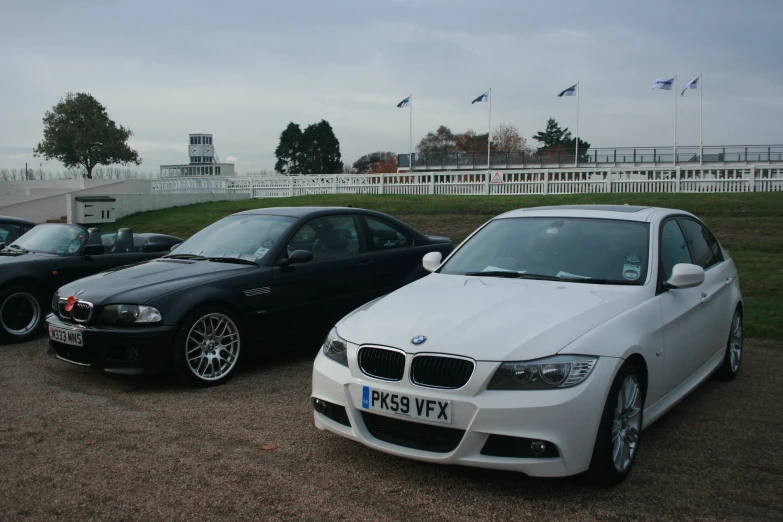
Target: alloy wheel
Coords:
[(212, 347), (20, 313), (735, 343), (626, 423)]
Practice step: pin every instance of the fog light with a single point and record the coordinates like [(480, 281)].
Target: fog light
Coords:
[(131, 354), (538, 447), (319, 405)]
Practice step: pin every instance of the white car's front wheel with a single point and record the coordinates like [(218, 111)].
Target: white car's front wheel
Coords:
[(731, 361), (620, 429)]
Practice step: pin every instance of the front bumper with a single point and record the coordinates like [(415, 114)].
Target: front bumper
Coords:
[(566, 418), (119, 350)]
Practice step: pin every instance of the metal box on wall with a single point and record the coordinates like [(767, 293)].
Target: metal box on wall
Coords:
[(94, 209)]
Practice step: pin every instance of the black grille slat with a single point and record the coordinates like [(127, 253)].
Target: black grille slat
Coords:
[(82, 312), (441, 372), (382, 363), (425, 437)]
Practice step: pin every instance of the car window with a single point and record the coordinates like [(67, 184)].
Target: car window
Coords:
[(329, 237), (58, 239), (251, 235), (601, 250), (704, 249), (384, 236), (674, 249), (8, 232)]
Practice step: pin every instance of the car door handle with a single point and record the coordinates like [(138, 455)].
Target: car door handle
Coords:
[(729, 280), (367, 262), (704, 298)]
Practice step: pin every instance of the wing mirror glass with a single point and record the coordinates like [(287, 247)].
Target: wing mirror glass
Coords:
[(92, 250), (432, 260), (686, 275)]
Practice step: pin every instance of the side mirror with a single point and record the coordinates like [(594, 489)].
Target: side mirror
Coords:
[(92, 250), (432, 261), (297, 256), (685, 275), (2, 245), (173, 247)]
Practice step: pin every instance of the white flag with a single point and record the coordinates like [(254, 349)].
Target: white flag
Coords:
[(663, 84), (693, 84)]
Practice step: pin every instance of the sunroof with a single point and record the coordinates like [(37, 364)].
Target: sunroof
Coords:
[(605, 208)]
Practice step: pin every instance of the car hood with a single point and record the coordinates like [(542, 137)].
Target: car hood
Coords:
[(140, 283), (485, 318)]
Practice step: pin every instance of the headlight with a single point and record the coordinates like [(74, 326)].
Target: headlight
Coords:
[(335, 347), (130, 314), (560, 371)]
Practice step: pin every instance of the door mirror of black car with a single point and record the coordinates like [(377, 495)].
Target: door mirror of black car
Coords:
[(297, 256), (2, 245), (92, 250)]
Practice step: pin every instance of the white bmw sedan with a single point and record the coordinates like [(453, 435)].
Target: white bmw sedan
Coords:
[(544, 344)]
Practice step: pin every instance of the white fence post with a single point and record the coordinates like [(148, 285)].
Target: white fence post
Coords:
[(752, 178), (545, 175), (334, 184), (677, 176), (383, 179), (432, 183), (290, 186), (609, 180), (486, 183)]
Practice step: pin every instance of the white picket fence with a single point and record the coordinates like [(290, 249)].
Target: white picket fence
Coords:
[(755, 178)]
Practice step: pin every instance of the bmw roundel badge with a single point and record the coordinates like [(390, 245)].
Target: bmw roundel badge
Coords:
[(419, 339)]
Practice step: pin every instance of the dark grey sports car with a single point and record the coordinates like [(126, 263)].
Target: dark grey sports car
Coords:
[(33, 266), (263, 279), (11, 228)]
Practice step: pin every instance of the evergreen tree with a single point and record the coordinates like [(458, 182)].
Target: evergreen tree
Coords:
[(289, 150), (320, 150), (553, 136)]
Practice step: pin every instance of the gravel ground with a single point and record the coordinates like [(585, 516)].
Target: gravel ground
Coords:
[(76, 445)]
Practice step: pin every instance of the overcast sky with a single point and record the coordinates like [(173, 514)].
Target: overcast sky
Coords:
[(243, 70)]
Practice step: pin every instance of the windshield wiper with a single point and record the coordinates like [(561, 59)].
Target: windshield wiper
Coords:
[(238, 260), (185, 256), (541, 277), (496, 273)]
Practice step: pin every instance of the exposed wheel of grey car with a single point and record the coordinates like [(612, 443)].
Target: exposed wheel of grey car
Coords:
[(20, 314), (208, 345), (620, 429), (731, 361)]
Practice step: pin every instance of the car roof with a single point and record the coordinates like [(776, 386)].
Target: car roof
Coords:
[(16, 220), (617, 212), (301, 211)]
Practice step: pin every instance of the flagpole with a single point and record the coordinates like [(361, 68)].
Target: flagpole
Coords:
[(410, 135), (701, 142), (576, 158), (489, 134), (674, 162)]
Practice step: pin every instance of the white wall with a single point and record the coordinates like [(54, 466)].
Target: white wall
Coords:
[(127, 204)]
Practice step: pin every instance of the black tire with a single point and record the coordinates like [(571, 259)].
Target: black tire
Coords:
[(730, 367), (21, 313), (203, 371), (603, 470)]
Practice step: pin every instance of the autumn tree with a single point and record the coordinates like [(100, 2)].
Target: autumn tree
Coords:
[(366, 163), (507, 138), (79, 133), (442, 140), (385, 167)]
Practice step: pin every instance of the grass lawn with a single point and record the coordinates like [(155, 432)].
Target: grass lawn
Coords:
[(749, 225)]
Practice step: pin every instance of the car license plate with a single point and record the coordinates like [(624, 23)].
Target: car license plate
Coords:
[(63, 335), (406, 405)]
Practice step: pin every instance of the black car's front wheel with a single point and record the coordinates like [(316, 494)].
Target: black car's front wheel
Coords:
[(20, 314), (208, 346)]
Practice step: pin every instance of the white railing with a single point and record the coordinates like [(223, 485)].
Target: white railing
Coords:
[(757, 178)]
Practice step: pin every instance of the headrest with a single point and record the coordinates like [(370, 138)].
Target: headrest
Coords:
[(335, 238)]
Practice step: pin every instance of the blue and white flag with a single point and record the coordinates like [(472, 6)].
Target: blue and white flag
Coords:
[(693, 84), (571, 91), (664, 84), (484, 97), (405, 102)]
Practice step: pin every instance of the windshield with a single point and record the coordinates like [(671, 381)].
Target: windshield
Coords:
[(236, 236), (66, 240), (582, 250)]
